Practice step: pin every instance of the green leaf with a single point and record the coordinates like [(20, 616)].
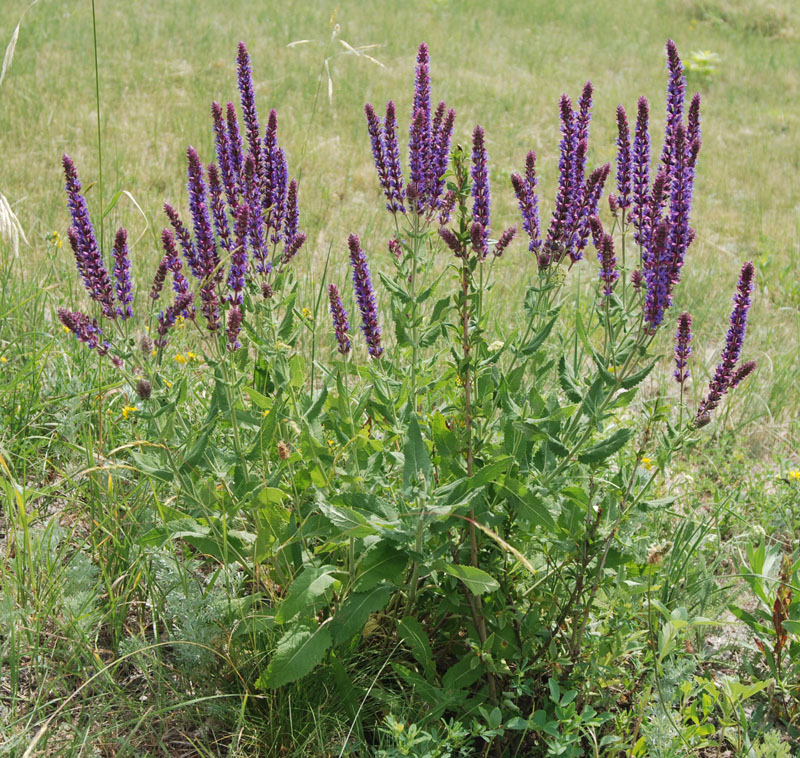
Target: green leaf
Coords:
[(462, 674), (477, 580), (195, 455), (540, 337), (264, 436), (793, 627), (412, 633), (606, 447), (394, 288), (381, 562), (306, 592), (638, 377), (355, 611), (417, 462), (349, 521), (149, 465), (528, 506), (566, 377), (298, 651)]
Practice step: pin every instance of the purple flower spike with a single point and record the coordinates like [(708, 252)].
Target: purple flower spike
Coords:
[(159, 278), (675, 95), (234, 327), (420, 134), (418, 159), (173, 263), (280, 181), (255, 216), (584, 117), (238, 269), (218, 207), (167, 319), (657, 278), (440, 157), (291, 250), (122, 274), (478, 236), (223, 147), (683, 348), (375, 129), (248, 97), (235, 144), (292, 215), (339, 316), (451, 241), (187, 244), (392, 155), (446, 207), (693, 122), (481, 206), (525, 190), (82, 238), (565, 196), (365, 297), (207, 256), (724, 375), (587, 208), (641, 166), (596, 228), (742, 373), (505, 240), (623, 159), (269, 156), (680, 205), (608, 264), (84, 328), (652, 216)]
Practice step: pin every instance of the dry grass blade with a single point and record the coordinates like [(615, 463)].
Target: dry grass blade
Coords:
[(10, 228), (12, 45)]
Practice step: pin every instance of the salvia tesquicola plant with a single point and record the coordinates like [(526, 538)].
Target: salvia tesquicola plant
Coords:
[(467, 473)]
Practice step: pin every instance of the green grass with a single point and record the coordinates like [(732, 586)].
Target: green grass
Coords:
[(76, 582)]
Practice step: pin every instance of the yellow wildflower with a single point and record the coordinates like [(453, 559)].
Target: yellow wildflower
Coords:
[(647, 463), (4, 359), (306, 313), (65, 328), (794, 476), (128, 410), (180, 358)]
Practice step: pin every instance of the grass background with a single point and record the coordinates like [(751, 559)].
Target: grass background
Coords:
[(504, 66)]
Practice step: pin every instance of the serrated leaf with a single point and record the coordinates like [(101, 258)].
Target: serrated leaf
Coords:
[(382, 562), (354, 612), (417, 462), (638, 377), (298, 651), (539, 337), (478, 581), (306, 592), (412, 633), (568, 381), (607, 447), (349, 521)]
